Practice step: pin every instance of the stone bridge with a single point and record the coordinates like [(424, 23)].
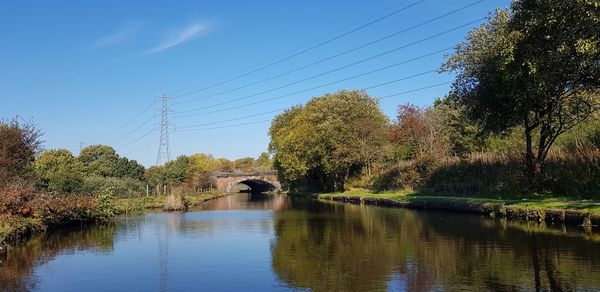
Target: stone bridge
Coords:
[(258, 182)]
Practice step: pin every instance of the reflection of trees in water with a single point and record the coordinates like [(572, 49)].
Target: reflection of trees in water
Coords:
[(249, 201), (357, 248), (162, 233), (16, 273)]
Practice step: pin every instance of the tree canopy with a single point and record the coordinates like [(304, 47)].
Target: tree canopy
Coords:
[(59, 171), (19, 143), (535, 66), (328, 139)]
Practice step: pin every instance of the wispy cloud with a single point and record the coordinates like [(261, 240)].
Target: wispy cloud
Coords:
[(125, 31), (188, 33)]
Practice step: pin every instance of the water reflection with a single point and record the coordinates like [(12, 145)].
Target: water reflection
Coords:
[(358, 248), (16, 273), (260, 242)]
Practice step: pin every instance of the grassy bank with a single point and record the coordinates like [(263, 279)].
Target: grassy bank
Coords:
[(132, 205), (558, 209), (25, 210), (27, 213)]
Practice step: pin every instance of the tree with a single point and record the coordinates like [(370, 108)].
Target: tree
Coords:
[(245, 164), (172, 173), (201, 162), (225, 165), (19, 143), (99, 160), (176, 171), (324, 142), (59, 171), (128, 168), (423, 131), (409, 129), (534, 66), (264, 161)]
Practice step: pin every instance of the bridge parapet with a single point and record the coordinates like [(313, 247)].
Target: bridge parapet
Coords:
[(239, 174)]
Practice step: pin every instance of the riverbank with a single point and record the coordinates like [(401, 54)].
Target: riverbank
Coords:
[(133, 205), (553, 210), (16, 227)]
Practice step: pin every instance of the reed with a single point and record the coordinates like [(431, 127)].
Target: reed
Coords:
[(175, 202)]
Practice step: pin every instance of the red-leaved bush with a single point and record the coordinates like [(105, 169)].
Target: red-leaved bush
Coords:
[(14, 199)]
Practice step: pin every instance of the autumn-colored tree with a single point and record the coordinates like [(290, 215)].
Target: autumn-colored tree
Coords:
[(423, 131), (19, 143)]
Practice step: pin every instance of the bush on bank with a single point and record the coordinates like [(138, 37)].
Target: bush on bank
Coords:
[(122, 187), (25, 210)]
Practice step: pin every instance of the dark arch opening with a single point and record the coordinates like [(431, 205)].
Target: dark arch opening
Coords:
[(258, 186)]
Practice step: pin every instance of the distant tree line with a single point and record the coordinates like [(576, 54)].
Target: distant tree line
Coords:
[(198, 171)]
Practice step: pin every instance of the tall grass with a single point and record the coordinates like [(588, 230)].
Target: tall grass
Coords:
[(574, 174), (176, 200)]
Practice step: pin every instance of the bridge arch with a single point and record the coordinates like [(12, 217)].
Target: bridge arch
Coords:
[(255, 185), (257, 182)]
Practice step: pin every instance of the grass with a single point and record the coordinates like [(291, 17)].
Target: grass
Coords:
[(58, 212), (133, 205), (556, 203)]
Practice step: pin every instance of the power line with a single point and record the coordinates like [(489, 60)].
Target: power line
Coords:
[(303, 51), (336, 55), (231, 120), (340, 68), (137, 128), (228, 126), (326, 84), (129, 121), (305, 90), (322, 85), (140, 138), (415, 90), (264, 121), (143, 147), (307, 44)]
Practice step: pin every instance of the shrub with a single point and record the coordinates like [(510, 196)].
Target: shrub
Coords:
[(14, 199), (55, 210), (106, 209), (121, 187)]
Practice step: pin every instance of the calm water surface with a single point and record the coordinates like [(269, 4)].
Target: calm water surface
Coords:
[(259, 242)]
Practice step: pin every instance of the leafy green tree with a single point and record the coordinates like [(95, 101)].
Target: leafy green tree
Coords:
[(201, 162), (172, 173), (225, 165), (534, 67), (99, 160), (264, 161), (176, 171), (323, 143), (128, 168), (245, 164), (464, 135), (19, 143), (156, 176), (59, 171)]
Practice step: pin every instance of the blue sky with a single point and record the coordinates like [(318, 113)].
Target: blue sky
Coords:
[(83, 70)]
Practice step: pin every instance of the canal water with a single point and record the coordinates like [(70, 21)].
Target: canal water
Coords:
[(261, 243)]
